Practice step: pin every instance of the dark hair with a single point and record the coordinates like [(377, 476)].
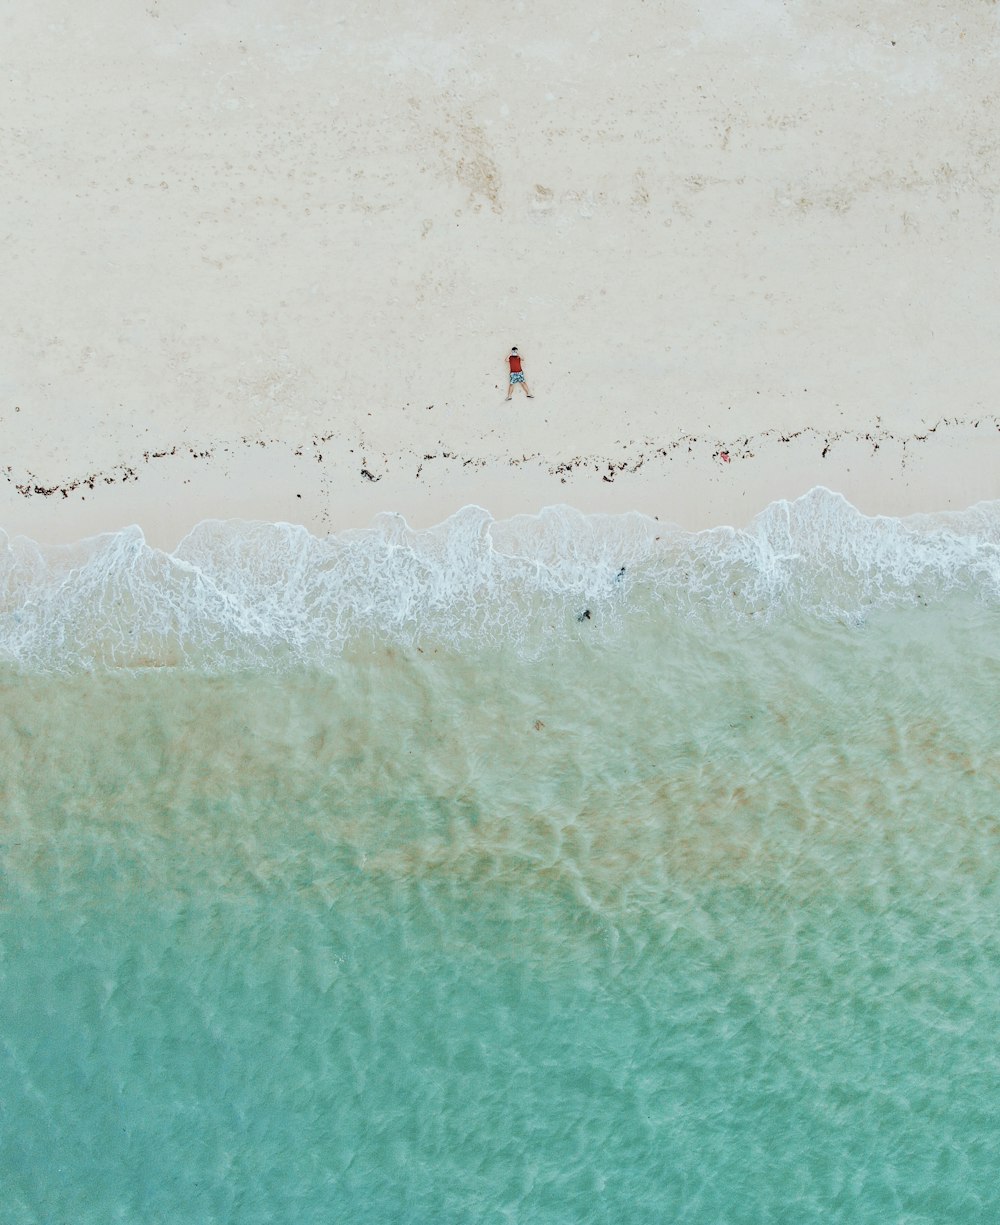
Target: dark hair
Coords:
[(514, 349)]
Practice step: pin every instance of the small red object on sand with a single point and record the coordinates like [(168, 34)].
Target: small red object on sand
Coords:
[(724, 456)]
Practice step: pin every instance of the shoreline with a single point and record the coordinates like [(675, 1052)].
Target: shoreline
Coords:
[(246, 593), (332, 483)]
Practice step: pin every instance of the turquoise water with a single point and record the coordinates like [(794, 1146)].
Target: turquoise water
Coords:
[(383, 884)]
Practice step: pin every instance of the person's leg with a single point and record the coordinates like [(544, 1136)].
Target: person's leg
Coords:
[(526, 391), (510, 389)]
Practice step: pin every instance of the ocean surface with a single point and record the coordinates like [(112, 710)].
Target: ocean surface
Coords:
[(567, 869)]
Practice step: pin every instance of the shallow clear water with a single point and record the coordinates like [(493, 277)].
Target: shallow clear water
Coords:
[(685, 911)]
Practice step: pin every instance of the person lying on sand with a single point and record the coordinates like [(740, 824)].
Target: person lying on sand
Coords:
[(516, 374)]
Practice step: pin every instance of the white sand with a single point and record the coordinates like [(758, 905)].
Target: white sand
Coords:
[(237, 224)]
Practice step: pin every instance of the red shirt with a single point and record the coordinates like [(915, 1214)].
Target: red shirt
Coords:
[(515, 363)]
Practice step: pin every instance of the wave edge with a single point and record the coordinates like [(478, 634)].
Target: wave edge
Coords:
[(251, 594)]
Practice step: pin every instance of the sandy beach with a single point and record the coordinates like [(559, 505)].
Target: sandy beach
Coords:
[(271, 269)]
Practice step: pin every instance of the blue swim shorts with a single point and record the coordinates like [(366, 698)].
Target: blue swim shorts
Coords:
[(516, 377)]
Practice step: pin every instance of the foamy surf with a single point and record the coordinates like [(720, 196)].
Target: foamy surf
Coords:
[(235, 594)]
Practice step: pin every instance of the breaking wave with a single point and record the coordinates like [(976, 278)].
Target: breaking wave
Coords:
[(236, 595)]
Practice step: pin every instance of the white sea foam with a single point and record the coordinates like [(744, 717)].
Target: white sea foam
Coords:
[(240, 594)]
